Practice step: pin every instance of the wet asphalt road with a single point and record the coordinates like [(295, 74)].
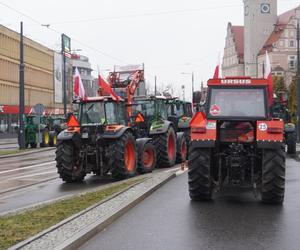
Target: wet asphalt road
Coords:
[(169, 220)]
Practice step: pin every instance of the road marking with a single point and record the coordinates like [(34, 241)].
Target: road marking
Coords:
[(30, 175), (28, 167), (179, 172)]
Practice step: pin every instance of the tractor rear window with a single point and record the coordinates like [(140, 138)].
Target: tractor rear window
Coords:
[(234, 103)]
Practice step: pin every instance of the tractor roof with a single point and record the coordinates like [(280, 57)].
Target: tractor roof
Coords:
[(98, 99), (237, 81)]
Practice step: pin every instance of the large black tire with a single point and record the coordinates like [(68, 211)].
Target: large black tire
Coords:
[(273, 176), (67, 162), (32, 145), (53, 139), (120, 166), (146, 158), (199, 174), (165, 145), (181, 144), (45, 138), (291, 139)]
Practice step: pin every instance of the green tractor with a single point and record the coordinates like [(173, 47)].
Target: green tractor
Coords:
[(33, 125), (98, 141), (280, 110), (151, 116), (56, 124), (180, 113)]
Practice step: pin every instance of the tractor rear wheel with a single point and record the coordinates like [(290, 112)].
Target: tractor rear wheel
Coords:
[(181, 155), (122, 159), (199, 176), (67, 162), (45, 138), (32, 144), (291, 139), (165, 145), (146, 158), (53, 139), (273, 176)]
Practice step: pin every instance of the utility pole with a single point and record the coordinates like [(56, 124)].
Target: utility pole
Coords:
[(192, 84), (21, 93), (155, 86), (64, 75), (298, 82)]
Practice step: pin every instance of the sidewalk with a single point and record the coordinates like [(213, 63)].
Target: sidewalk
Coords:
[(8, 141)]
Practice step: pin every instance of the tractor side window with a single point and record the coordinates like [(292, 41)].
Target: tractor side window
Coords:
[(122, 114), (179, 110), (111, 113), (162, 109)]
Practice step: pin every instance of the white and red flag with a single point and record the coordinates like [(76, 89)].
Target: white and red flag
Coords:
[(79, 90), (217, 69), (268, 76)]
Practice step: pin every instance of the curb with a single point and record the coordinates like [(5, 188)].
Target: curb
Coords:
[(27, 153), (88, 230)]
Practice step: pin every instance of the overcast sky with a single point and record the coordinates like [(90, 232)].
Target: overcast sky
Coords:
[(168, 36)]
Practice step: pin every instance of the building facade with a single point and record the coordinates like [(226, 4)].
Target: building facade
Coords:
[(233, 59), (39, 78), (262, 32)]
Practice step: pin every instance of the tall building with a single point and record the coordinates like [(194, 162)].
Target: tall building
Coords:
[(246, 46), (260, 16), (39, 78), (85, 70)]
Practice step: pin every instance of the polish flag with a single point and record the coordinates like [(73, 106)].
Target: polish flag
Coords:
[(268, 76), (216, 74), (78, 85), (217, 69), (106, 88)]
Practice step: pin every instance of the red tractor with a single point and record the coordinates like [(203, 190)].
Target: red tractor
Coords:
[(236, 142)]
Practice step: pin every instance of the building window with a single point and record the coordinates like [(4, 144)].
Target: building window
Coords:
[(292, 62), (292, 43)]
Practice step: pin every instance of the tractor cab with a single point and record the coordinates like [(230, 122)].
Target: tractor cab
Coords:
[(101, 112), (179, 112), (236, 108), (149, 112)]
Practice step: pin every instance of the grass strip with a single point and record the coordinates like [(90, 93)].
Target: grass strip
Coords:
[(13, 151), (18, 227)]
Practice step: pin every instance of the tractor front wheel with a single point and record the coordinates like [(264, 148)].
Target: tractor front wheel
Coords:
[(146, 158), (181, 155), (45, 138), (165, 145), (122, 157), (53, 139), (291, 139), (273, 176), (67, 162), (199, 174)]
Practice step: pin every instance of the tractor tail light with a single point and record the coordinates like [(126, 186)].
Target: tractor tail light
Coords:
[(201, 130), (275, 130)]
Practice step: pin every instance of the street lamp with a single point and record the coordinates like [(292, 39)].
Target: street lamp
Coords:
[(192, 74)]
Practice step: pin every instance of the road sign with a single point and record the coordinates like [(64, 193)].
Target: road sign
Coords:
[(39, 109)]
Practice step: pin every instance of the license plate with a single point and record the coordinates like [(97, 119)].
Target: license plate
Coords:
[(85, 135)]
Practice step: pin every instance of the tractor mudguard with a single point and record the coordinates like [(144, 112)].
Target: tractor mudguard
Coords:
[(118, 132), (270, 134), (289, 127), (65, 135), (141, 142), (160, 128)]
